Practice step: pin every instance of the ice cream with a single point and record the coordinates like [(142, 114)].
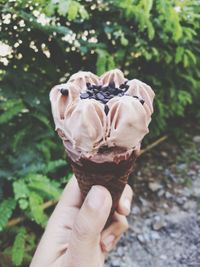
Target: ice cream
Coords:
[(102, 121)]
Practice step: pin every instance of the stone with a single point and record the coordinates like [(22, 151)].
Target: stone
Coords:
[(154, 186), (163, 257), (196, 139), (135, 210), (164, 154), (181, 200), (182, 166), (144, 202), (141, 238), (196, 192), (158, 223), (155, 235), (168, 195), (161, 192)]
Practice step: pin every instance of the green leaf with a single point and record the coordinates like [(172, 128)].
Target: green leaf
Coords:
[(19, 137), (104, 62), (18, 249), (73, 10), (42, 184), (50, 8), (110, 63), (23, 203), (6, 209), (179, 54), (55, 164), (148, 4), (185, 60), (83, 12), (37, 213), (63, 7), (20, 189), (191, 55), (101, 61), (150, 29), (42, 118), (11, 108), (124, 41)]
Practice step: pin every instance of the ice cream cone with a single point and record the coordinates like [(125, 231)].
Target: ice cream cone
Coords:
[(112, 175)]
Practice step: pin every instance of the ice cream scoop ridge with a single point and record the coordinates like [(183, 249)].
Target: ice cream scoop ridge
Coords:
[(88, 124)]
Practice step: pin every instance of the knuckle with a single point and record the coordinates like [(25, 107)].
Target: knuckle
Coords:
[(80, 230)]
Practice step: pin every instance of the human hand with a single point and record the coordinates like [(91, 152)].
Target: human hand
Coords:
[(74, 236)]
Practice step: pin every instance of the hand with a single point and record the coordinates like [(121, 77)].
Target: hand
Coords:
[(74, 236)]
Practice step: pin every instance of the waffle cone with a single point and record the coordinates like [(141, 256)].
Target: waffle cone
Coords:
[(113, 176)]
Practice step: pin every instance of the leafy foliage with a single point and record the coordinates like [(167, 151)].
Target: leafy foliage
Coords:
[(42, 43), (6, 208), (18, 249)]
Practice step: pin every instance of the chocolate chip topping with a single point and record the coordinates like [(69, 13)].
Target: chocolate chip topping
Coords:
[(105, 93), (84, 95), (142, 101), (64, 91), (106, 109)]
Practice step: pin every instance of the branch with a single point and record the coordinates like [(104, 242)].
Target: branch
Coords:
[(157, 142), (18, 220), (51, 203)]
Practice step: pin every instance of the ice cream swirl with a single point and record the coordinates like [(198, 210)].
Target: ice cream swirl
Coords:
[(92, 112)]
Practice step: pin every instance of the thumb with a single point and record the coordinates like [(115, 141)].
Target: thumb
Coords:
[(89, 223)]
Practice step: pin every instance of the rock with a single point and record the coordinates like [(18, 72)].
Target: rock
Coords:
[(190, 205), (115, 263), (158, 224), (165, 206), (141, 238), (177, 218), (164, 154), (186, 192), (170, 175), (181, 200), (191, 173), (144, 202), (136, 228), (120, 251), (161, 192), (163, 257), (196, 191), (168, 195), (159, 168), (153, 186), (196, 139), (182, 166), (154, 235), (146, 236), (135, 210)]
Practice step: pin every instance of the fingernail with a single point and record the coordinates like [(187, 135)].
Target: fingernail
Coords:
[(108, 241), (96, 197), (127, 204)]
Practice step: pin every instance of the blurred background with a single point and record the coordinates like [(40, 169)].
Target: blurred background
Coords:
[(42, 43)]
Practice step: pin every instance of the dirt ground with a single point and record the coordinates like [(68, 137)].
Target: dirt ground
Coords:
[(165, 218)]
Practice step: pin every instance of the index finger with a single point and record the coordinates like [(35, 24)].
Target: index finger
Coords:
[(71, 196)]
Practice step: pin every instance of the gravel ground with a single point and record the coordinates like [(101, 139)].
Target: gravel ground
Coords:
[(165, 218)]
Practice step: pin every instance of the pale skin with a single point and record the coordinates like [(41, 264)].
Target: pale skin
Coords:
[(75, 234)]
